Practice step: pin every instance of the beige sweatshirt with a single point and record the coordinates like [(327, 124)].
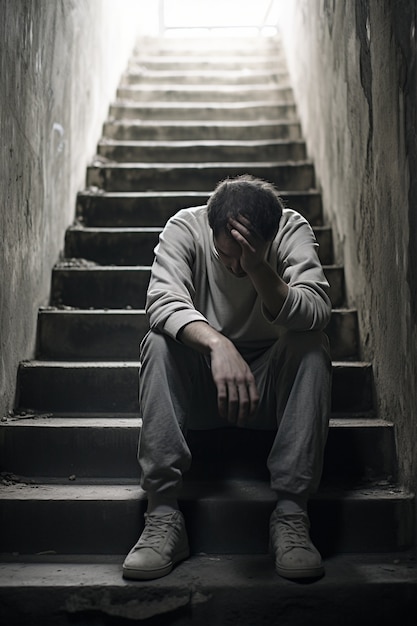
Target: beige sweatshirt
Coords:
[(189, 282)]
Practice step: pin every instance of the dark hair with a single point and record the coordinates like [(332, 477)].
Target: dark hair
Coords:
[(255, 199)]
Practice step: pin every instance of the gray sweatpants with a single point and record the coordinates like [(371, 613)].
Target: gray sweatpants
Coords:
[(177, 392)]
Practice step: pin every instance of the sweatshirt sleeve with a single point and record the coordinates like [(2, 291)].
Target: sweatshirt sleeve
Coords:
[(169, 303), (307, 306)]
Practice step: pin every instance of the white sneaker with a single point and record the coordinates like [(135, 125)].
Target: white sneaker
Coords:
[(295, 554), (162, 544)]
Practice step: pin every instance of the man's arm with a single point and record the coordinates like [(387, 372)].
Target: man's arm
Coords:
[(271, 288), (237, 395), (171, 290)]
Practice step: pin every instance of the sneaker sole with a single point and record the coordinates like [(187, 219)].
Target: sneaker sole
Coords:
[(140, 574), (297, 574)]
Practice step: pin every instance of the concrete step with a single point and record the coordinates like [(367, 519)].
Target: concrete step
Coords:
[(205, 93), (108, 335), (112, 386), (208, 45), (82, 284), (81, 335), (138, 74), (358, 450), (197, 176), (197, 131), (149, 208), (206, 61), (207, 111), (214, 43), (208, 590), (135, 246), (201, 151), (97, 518)]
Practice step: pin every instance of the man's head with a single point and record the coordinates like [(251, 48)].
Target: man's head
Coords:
[(255, 199)]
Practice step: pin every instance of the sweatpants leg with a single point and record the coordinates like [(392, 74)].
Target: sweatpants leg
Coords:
[(169, 377), (300, 372), (293, 378)]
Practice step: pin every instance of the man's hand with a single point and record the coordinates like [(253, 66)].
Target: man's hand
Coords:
[(237, 395), (252, 245), (269, 285)]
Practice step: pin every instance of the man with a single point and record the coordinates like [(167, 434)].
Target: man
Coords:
[(237, 303)]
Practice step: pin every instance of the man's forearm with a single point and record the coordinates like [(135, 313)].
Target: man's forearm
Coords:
[(200, 336), (271, 288)]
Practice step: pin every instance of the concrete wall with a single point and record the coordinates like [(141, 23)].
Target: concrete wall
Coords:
[(60, 62), (353, 66)]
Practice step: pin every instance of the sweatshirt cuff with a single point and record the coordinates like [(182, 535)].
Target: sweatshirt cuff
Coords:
[(178, 320)]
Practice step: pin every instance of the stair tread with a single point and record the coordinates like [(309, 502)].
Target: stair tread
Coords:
[(96, 192), (97, 570), (201, 142), (229, 490), (89, 266), (203, 87), (63, 310), (194, 123), (36, 363), (119, 230), (201, 56), (101, 162), (119, 102), (35, 421), (209, 589), (144, 73)]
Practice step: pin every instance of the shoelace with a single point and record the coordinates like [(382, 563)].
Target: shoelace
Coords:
[(156, 529), (293, 533)]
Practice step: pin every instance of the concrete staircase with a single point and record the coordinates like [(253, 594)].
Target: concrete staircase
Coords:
[(186, 116)]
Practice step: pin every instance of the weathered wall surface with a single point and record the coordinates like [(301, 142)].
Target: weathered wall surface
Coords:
[(353, 66), (60, 62)]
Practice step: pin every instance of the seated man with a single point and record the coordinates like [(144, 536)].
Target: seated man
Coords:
[(237, 303)]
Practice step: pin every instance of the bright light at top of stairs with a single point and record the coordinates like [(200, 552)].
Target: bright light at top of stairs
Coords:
[(220, 17)]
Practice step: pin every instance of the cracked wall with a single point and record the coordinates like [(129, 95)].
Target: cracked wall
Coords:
[(353, 66), (60, 63)]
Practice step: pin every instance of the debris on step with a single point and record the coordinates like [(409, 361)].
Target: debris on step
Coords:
[(25, 414), (94, 191), (8, 478), (99, 160), (75, 262)]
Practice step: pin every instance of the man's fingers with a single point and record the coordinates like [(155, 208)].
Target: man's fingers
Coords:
[(254, 397), (244, 403), (222, 399), (237, 395), (242, 228), (242, 240), (238, 402), (233, 402)]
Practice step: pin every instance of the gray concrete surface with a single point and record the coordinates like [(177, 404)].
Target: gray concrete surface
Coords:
[(60, 64), (210, 590), (354, 72)]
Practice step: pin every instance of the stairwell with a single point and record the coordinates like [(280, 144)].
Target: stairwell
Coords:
[(187, 115)]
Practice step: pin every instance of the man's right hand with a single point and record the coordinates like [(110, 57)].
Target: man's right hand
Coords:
[(237, 395)]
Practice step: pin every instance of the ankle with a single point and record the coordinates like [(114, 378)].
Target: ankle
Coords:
[(158, 505), (289, 504)]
